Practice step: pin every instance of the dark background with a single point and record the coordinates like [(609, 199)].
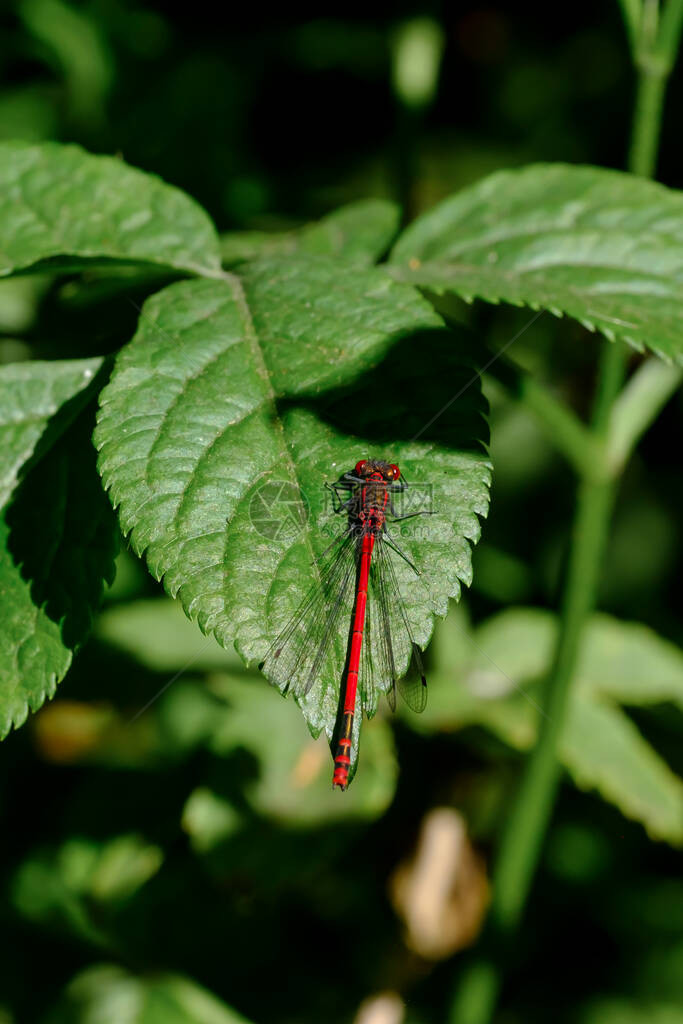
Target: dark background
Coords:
[(269, 123)]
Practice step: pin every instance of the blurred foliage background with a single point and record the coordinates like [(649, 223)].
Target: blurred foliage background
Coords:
[(187, 861)]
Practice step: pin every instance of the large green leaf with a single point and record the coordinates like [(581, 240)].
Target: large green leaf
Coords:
[(57, 546), (498, 672), (601, 246), (31, 394), (360, 231), (248, 393), (62, 204), (107, 993)]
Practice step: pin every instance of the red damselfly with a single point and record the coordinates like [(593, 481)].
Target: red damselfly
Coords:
[(372, 613)]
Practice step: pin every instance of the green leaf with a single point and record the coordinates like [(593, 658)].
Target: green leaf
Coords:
[(603, 750), (601, 246), (497, 687), (625, 661), (61, 887), (58, 542), (233, 394), (360, 232), (292, 782), (468, 687), (61, 204), (629, 663), (158, 635), (31, 394), (108, 993)]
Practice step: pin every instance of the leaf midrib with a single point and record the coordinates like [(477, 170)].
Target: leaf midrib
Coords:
[(480, 241), (507, 273), (262, 370)]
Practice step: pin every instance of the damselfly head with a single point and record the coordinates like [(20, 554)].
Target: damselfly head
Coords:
[(369, 467)]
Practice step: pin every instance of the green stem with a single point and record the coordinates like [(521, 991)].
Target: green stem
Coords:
[(638, 405), (527, 823), (654, 51), (670, 26), (649, 100), (632, 11), (526, 826), (611, 371)]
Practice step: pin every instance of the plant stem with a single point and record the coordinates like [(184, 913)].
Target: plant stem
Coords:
[(527, 824), (526, 828), (654, 53), (653, 50), (632, 11), (670, 26), (649, 100), (638, 405)]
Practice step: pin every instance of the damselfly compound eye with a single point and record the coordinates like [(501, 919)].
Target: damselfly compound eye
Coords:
[(394, 470), (360, 466)]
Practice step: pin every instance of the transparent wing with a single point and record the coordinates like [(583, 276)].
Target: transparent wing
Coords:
[(388, 640), (366, 677), (300, 653), (399, 644), (380, 674)]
